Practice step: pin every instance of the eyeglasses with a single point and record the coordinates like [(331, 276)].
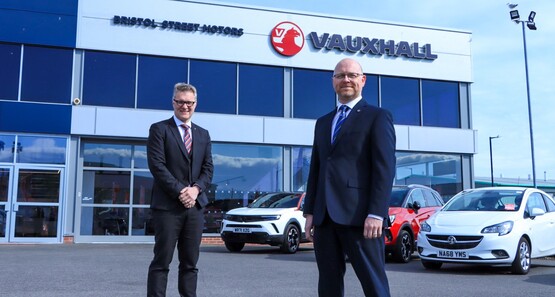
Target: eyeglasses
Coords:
[(349, 75), (180, 103)]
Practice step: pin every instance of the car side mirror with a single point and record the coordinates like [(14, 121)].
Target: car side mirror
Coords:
[(536, 212), (414, 206)]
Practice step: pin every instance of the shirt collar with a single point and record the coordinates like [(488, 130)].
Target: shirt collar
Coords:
[(350, 104)]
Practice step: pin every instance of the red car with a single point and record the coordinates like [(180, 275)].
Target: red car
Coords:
[(409, 206)]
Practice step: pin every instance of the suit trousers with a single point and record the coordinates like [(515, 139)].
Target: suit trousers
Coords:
[(181, 227), (332, 242)]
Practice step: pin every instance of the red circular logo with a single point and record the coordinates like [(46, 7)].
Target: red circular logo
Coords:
[(287, 38)]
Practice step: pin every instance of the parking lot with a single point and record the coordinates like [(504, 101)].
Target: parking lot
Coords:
[(120, 270)]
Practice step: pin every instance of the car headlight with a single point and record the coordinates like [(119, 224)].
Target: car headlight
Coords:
[(425, 227), (270, 217), (501, 228), (391, 219)]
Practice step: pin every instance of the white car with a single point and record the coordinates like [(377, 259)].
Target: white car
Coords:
[(275, 219), (492, 226)]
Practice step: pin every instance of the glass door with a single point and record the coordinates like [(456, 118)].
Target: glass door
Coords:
[(5, 194), (35, 205)]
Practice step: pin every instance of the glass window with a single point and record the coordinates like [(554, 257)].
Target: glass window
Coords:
[(38, 149), (142, 224), (109, 79), (438, 171), (10, 57), (549, 203), (440, 104), (142, 187), (245, 171), (108, 187), (313, 94), (216, 84), (417, 196), (7, 150), (47, 74), (261, 90), (157, 77), (371, 90), (301, 166), (107, 155), (535, 200), (401, 97), (139, 155), (36, 221), (105, 221), (36, 185)]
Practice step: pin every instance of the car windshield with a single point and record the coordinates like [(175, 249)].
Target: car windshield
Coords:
[(485, 200), (397, 197), (276, 200)]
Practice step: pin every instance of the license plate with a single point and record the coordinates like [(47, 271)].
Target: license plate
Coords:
[(242, 230), (452, 254)]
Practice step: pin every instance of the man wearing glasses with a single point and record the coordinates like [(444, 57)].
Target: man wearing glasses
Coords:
[(179, 156), (349, 186)]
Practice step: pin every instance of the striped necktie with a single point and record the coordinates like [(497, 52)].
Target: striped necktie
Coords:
[(187, 138), (340, 119)]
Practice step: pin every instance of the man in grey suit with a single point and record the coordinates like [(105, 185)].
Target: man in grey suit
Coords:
[(349, 186), (179, 156)]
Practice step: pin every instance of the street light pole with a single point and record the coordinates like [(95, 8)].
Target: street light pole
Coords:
[(491, 158), (532, 26)]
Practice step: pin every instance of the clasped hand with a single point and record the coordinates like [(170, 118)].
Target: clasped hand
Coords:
[(188, 196)]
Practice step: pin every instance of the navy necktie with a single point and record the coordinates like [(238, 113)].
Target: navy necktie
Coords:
[(340, 119)]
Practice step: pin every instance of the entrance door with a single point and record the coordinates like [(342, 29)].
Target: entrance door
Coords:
[(5, 194), (33, 205)]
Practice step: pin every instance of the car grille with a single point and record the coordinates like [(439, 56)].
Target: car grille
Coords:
[(245, 219), (243, 226), (454, 242)]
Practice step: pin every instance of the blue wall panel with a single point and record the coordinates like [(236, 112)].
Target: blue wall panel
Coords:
[(46, 22), (35, 117)]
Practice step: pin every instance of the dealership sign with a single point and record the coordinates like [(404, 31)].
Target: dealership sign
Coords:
[(288, 39), (177, 26)]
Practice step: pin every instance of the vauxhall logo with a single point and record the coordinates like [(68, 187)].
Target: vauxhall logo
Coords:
[(289, 44)]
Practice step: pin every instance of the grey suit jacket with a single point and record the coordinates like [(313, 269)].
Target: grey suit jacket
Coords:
[(353, 177), (173, 168)]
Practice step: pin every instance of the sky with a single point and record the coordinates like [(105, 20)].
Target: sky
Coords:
[(499, 97)]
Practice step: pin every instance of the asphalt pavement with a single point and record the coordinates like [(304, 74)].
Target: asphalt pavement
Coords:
[(79, 270)]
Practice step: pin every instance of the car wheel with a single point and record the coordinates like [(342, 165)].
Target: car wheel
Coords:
[(291, 239), (431, 264), (403, 247), (521, 264), (234, 247)]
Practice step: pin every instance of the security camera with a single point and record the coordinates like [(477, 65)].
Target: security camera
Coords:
[(76, 101)]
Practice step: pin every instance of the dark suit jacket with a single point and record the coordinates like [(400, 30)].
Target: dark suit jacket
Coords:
[(352, 178), (173, 168)]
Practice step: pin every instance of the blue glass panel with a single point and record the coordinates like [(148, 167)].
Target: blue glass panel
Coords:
[(440, 104), (139, 157), (313, 94), (10, 56), (38, 149), (370, 90), (401, 97), (261, 90), (109, 79), (301, 166), (47, 74), (7, 143), (216, 85), (107, 155), (244, 171), (35, 117), (157, 77)]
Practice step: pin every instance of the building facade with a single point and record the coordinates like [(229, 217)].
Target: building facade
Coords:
[(82, 81)]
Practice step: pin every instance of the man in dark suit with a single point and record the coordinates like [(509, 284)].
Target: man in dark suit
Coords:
[(349, 186), (180, 159)]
